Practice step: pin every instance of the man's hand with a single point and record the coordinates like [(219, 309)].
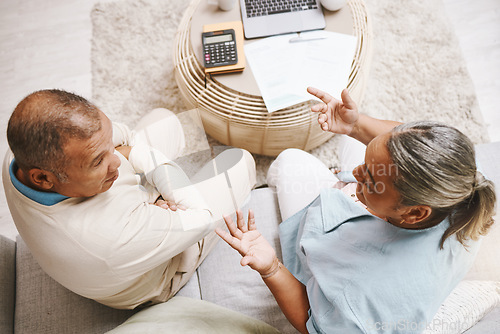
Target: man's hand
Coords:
[(124, 150), (335, 116), (169, 205), (247, 240)]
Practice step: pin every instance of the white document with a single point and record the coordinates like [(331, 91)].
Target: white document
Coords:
[(285, 65)]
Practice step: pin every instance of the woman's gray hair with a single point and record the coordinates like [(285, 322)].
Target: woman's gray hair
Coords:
[(41, 125), (436, 167)]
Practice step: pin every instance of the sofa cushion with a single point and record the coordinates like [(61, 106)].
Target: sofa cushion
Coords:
[(44, 306), (187, 315), (490, 324), (224, 282), (192, 288), (7, 284), (468, 303), (487, 266)]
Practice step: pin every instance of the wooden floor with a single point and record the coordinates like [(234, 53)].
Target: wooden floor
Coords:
[(46, 44)]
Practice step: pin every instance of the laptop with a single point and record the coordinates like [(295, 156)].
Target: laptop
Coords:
[(273, 17)]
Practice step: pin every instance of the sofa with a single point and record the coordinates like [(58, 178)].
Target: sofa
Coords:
[(222, 296)]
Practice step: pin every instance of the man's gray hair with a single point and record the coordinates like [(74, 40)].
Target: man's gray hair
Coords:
[(43, 122), (436, 167)]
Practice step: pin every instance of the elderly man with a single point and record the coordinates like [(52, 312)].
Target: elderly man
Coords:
[(105, 210)]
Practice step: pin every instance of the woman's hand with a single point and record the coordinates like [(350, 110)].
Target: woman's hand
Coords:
[(247, 240), (335, 116), (290, 294)]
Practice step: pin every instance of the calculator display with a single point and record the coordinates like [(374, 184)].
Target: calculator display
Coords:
[(218, 38), (219, 48)]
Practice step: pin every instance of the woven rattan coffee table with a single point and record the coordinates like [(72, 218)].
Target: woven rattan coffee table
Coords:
[(231, 108)]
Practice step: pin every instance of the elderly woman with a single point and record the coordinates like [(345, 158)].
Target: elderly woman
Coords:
[(380, 254)]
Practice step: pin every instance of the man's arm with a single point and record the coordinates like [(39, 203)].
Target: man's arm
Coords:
[(149, 161), (146, 235), (166, 176)]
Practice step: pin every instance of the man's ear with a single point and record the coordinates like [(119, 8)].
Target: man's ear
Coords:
[(416, 214), (41, 179)]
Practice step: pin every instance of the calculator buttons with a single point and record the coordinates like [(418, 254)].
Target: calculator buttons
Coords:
[(220, 53)]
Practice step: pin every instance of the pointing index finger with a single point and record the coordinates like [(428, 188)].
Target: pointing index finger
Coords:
[(325, 97)]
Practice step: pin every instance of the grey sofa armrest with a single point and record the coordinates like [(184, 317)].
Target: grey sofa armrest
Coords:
[(44, 306), (488, 156), (489, 324), (7, 284)]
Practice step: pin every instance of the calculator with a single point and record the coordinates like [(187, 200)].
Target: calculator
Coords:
[(219, 48)]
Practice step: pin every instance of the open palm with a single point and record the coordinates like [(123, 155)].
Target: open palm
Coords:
[(247, 240), (335, 116)]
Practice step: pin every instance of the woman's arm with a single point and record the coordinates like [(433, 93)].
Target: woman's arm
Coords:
[(291, 296), (367, 128), (342, 117), (257, 253)]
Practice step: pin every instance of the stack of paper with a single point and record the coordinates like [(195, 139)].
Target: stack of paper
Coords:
[(285, 65)]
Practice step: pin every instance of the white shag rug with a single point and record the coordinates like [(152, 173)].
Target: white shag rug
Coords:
[(417, 71)]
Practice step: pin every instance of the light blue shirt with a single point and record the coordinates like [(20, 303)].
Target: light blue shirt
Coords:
[(364, 275)]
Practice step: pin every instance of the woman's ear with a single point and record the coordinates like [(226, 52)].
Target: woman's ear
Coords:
[(416, 214), (41, 179)]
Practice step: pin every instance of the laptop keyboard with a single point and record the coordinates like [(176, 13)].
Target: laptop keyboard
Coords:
[(270, 7)]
